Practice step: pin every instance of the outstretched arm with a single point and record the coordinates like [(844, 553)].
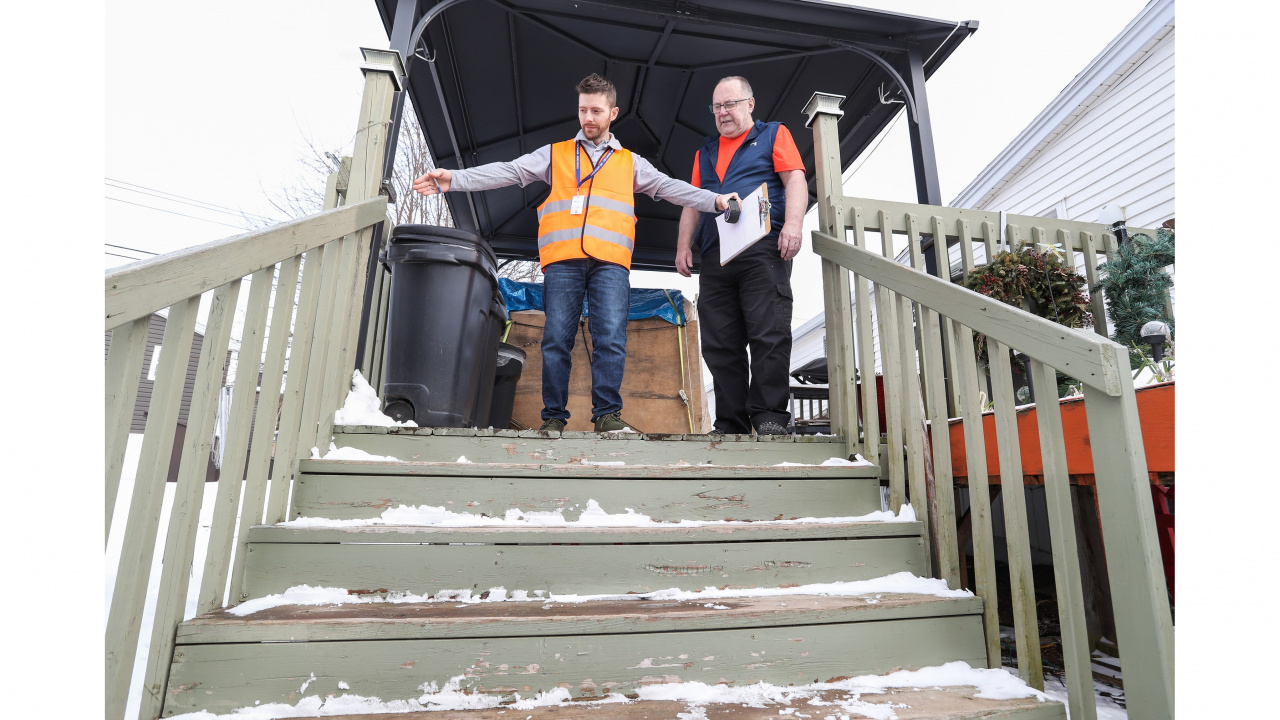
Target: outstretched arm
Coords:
[(535, 166), (659, 186)]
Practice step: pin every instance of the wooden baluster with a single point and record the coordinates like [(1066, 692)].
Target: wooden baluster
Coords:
[(913, 427), (990, 237), (966, 249), (180, 541), (1026, 630), (915, 259), (1013, 236), (887, 314), (940, 442), (1062, 535), (336, 382), (300, 368), (269, 408), (379, 357), (380, 281), (866, 353), (1138, 592), (322, 333), (943, 252), (124, 620), (1098, 305), (213, 579), (984, 558), (124, 369)]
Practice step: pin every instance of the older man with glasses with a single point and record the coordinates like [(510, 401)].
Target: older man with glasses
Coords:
[(747, 302)]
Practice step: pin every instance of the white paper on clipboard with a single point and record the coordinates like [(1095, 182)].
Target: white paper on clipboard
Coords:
[(752, 225)]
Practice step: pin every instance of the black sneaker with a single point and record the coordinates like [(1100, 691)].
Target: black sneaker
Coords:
[(612, 423), (553, 425), (769, 427)]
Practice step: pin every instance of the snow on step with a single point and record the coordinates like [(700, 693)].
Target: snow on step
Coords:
[(955, 691)]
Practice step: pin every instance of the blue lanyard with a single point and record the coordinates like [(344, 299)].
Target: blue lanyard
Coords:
[(577, 163)]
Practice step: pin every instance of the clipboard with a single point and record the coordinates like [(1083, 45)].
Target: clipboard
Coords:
[(753, 224)]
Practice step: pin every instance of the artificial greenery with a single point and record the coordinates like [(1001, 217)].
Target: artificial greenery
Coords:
[(1034, 280), (1135, 285)]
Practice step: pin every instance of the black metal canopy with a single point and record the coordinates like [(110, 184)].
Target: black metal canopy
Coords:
[(494, 79)]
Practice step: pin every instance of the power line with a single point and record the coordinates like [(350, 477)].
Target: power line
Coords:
[(183, 202), (171, 212), (121, 247), (126, 257), (199, 203)]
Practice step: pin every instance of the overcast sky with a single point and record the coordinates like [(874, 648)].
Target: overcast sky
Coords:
[(215, 103)]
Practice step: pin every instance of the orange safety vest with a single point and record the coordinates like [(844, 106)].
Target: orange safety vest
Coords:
[(607, 229)]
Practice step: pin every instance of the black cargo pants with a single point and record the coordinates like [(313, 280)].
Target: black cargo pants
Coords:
[(747, 304)]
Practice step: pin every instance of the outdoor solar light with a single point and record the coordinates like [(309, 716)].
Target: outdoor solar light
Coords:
[(1156, 334), (1114, 216)]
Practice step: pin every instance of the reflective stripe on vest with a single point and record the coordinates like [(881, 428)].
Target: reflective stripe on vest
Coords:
[(607, 230)]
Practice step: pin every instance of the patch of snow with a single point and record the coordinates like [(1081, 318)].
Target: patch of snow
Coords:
[(859, 461), (350, 453), (342, 685), (992, 684), (462, 460), (362, 407), (592, 516), (901, 582)]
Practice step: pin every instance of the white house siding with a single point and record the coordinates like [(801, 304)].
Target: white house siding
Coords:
[(1117, 149)]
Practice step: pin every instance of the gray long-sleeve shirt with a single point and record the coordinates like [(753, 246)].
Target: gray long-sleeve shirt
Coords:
[(537, 166)]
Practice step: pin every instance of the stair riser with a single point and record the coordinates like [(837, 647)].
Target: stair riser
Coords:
[(344, 497), (583, 569), (223, 677), (538, 450)]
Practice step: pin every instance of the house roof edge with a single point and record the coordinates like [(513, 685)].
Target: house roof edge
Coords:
[(1131, 41)]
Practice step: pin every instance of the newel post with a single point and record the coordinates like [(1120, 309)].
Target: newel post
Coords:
[(384, 76), (823, 111)]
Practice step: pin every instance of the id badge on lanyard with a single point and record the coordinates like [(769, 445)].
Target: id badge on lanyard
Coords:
[(579, 203)]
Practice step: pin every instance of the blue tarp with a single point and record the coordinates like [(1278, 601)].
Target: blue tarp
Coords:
[(645, 302)]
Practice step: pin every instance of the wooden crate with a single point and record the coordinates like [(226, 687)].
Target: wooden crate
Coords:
[(651, 384)]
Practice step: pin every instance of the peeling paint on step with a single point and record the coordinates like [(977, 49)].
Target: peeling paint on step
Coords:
[(683, 570)]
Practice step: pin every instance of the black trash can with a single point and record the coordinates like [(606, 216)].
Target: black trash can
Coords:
[(496, 322), (443, 281), (510, 364)]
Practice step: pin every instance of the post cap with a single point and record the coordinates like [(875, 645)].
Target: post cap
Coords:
[(383, 60), (823, 104)]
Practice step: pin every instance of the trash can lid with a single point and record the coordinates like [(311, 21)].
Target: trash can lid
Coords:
[(416, 233)]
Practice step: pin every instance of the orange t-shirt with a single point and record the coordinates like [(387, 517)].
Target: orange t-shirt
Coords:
[(786, 156)]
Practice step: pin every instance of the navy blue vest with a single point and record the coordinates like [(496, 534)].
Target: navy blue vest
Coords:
[(751, 165)]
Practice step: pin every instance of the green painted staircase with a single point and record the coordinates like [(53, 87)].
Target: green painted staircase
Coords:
[(613, 645)]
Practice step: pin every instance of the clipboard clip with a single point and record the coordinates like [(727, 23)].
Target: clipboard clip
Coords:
[(764, 209)]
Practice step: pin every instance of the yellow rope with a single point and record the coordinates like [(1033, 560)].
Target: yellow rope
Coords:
[(683, 374)]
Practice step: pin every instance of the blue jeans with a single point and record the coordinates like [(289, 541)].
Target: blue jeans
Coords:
[(607, 288)]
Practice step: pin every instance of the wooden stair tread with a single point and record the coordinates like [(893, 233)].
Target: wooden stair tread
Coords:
[(612, 437), (545, 535), (579, 470), (532, 448), (670, 499), (950, 703), (452, 619)]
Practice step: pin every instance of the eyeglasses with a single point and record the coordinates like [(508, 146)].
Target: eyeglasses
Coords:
[(729, 105)]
